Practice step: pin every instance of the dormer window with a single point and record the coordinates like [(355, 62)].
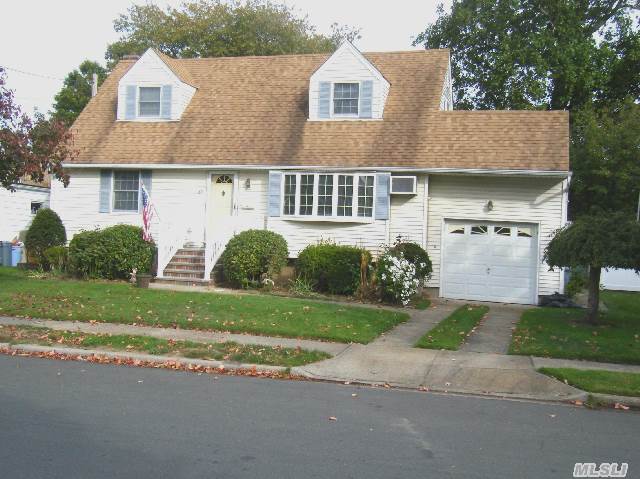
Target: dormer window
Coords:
[(149, 104), (346, 97)]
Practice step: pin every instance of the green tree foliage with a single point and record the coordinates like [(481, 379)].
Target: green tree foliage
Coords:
[(605, 148), (46, 231), (609, 240), (76, 91), (212, 28), (558, 54)]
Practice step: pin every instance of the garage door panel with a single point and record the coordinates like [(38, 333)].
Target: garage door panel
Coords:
[(490, 266)]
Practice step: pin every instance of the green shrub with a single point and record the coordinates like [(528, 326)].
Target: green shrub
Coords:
[(333, 268), (56, 257), (416, 255), (46, 230), (251, 254), (111, 253)]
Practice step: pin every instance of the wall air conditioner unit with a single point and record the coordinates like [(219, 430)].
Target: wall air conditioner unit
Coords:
[(403, 185)]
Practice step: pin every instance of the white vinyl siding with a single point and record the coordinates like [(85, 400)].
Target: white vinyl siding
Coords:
[(407, 215), (151, 71), (345, 67), (515, 200), (16, 213)]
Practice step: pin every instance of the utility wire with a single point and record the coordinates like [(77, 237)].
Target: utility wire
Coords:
[(48, 77)]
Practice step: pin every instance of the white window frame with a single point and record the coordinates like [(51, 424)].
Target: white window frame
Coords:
[(345, 115), (113, 191), (353, 218), (138, 115)]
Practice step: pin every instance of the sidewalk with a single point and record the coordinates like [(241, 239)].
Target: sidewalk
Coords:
[(389, 360)]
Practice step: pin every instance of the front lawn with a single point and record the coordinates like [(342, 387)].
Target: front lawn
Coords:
[(562, 333), (116, 302), (451, 332), (229, 351), (596, 381)]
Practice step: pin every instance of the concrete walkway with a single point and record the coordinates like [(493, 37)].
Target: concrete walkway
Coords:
[(493, 334), (177, 334)]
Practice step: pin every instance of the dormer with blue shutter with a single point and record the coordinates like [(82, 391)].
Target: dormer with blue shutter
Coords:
[(152, 90), (347, 87)]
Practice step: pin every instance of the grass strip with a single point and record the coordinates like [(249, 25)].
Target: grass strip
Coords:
[(451, 332)]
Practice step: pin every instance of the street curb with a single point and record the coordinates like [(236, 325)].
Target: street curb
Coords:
[(141, 357), (612, 400)]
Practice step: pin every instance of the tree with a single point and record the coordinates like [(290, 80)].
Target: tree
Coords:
[(76, 91), (30, 148), (605, 149), (599, 241), (557, 54), (212, 28)]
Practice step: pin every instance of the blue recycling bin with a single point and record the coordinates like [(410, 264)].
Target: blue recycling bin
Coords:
[(16, 255), (5, 253)]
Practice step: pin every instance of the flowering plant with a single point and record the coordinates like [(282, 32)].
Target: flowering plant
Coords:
[(397, 278)]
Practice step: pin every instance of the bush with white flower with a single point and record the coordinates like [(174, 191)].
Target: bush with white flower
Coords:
[(396, 277)]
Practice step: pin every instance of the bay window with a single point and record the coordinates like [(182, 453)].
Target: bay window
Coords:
[(329, 196)]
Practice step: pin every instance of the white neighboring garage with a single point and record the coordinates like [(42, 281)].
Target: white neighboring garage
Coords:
[(620, 280), (503, 263), (17, 208)]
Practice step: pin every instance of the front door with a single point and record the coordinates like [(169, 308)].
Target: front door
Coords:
[(220, 203)]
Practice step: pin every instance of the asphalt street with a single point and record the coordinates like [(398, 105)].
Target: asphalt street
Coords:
[(79, 420)]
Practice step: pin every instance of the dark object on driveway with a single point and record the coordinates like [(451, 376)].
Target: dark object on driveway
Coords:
[(143, 280), (557, 300)]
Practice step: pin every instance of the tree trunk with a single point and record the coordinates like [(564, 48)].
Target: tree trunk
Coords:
[(593, 302)]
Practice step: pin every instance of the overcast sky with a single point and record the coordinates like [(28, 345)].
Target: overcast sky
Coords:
[(52, 37)]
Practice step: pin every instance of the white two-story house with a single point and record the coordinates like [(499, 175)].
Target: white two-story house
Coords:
[(358, 148)]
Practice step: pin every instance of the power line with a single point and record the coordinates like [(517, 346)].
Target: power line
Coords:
[(48, 77)]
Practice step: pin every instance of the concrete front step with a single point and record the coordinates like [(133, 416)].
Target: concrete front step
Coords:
[(183, 281), (185, 266), (172, 271)]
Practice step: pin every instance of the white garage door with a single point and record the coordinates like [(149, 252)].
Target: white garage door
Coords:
[(490, 261)]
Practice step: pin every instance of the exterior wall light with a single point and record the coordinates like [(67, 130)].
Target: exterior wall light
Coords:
[(489, 205), (247, 183)]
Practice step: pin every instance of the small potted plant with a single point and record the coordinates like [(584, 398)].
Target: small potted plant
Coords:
[(142, 278)]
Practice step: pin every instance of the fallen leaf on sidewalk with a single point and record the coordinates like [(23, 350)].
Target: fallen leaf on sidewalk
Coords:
[(333, 418), (620, 406), (354, 395), (552, 416)]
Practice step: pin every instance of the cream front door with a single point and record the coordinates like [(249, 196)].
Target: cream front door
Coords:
[(220, 203)]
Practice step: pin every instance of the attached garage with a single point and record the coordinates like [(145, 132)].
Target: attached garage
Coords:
[(487, 261)]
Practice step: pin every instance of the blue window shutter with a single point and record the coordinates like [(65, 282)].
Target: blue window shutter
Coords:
[(366, 99), (275, 180), (165, 102), (324, 99), (130, 102), (383, 181), (105, 190)]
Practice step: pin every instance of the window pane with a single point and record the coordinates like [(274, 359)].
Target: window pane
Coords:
[(479, 230), (455, 229), (345, 98), (325, 195), (289, 195), (365, 196), (149, 103), (306, 194), (149, 109), (125, 190), (345, 195), (502, 230), (150, 94), (525, 232)]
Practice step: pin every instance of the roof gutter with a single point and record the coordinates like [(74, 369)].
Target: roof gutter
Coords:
[(460, 171)]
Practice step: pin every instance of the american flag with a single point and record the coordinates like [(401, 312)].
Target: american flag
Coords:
[(147, 214)]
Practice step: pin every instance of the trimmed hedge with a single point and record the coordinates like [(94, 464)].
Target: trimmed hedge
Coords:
[(46, 230), (251, 254), (416, 255), (111, 253), (333, 268)]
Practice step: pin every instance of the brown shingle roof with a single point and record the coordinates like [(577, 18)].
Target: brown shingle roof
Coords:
[(253, 111)]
